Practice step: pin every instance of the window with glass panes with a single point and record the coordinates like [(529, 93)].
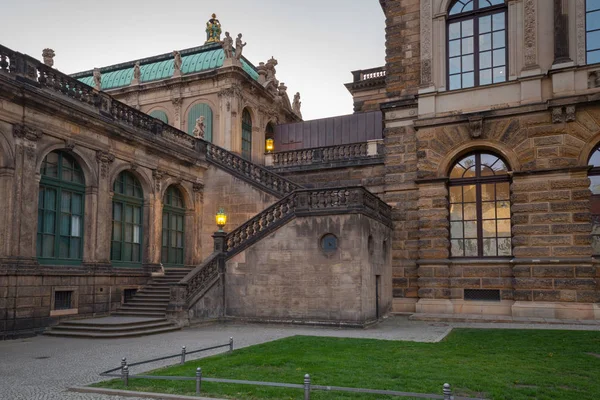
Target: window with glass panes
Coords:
[(126, 245), (477, 35), (246, 135), (480, 207), (60, 209), (594, 175), (592, 31), (172, 227)]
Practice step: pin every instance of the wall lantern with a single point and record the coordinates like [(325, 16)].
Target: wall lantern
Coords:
[(221, 218), (270, 145)]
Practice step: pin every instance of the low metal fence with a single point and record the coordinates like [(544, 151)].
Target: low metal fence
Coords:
[(306, 385)]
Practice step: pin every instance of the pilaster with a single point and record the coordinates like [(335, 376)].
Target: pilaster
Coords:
[(104, 208)]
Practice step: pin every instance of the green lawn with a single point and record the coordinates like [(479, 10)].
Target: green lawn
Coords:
[(495, 364)]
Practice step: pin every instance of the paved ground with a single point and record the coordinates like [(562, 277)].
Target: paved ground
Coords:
[(43, 367)]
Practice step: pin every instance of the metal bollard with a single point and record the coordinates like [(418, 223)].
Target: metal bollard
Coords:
[(123, 363), (126, 376), (230, 344), (307, 387), (198, 379), (447, 390), (182, 355)]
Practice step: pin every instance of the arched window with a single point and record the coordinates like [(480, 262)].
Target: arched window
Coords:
[(160, 114), (246, 134), (127, 220), (592, 31), (173, 228), (60, 210), (594, 175), (477, 36), (480, 207), (198, 110)]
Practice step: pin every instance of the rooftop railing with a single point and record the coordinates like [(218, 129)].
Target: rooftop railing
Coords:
[(367, 74)]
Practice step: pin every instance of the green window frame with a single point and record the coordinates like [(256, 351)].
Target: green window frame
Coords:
[(61, 208), (246, 134), (173, 228), (160, 114), (127, 221)]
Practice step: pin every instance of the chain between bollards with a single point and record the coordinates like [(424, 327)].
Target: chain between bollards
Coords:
[(447, 390), (182, 355), (198, 379), (230, 344), (307, 387), (126, 375)]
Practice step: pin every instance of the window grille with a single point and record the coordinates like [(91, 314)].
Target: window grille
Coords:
[(482, 294), (62, 299), (128, 294)]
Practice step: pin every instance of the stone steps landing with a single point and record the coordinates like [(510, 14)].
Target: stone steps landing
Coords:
[(112, 327)]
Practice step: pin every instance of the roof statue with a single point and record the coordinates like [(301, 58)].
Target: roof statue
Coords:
[(213, 30), (48, 56), (176, 63), (296, 105), (239, 46), (267, 75), (227, 44), (97, 79), (137, 73), (198, 131)]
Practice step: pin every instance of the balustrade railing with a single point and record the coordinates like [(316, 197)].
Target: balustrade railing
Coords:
[(319, 155), (367, 74), (195, 283)]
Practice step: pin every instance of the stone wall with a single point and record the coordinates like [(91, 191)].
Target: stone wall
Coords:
[(288, 277)]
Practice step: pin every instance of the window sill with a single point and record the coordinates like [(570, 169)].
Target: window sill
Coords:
[(59, 313), (466, 260)]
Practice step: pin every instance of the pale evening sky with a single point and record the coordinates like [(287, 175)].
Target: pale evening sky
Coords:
[(317, 43)]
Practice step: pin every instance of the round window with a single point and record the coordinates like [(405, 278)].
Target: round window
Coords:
[(329, 243)]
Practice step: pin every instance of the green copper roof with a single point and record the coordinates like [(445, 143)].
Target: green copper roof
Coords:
[(153, 71)]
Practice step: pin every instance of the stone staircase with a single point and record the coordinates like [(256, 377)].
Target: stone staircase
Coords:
[(143, 314)]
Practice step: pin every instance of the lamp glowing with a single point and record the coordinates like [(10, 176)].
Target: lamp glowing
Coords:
[(270, 145), (221, 218)]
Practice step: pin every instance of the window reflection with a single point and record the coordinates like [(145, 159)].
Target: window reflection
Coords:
[(592, 28)]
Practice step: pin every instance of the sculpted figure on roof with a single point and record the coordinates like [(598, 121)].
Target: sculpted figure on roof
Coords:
[(176, 63), (213, 30), (296, 105), (239, 46), (137, 73), (227, 44), (97, 79)]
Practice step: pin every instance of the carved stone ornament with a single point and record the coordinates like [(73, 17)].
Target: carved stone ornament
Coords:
[(563, 114), (134, 166), (26, 132), (158, 176), (104, 159), (580, 29), (69, 145), (475, 126), (426, 34), (48, 56), (97, 79), (213, 30), (570, 113), (198, 187), (530, 33)]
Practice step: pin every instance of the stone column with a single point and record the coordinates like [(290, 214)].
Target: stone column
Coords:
[(23, 238), (196, 245), (561, 32), (91, 224), (103, 237), (7, 176)]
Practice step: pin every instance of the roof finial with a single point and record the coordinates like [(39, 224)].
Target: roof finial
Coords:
[(213, 30)]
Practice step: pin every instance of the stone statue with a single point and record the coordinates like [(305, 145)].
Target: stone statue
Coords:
[(137, 73), (227, 44), (296, 105), (213, 30), (176, 63), (239, 46), (271, 83), (48, 56), (198, 131), (97, 79)]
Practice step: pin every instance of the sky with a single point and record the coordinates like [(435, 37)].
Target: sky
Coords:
[(316, 43)]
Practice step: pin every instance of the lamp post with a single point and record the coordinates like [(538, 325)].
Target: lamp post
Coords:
[(221, 219), (269, 145), (220, 235)]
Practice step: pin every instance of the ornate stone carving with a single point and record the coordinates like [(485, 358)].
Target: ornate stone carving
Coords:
[(239, 46), (593, 79), (297, 104), (530, 34), (137, 74), (227, 45), (426, 34), (97, 79), (570, 113), (580, 29), (177, 62), (177, 110), (48, 56), (475, 126), (134, 166), (213, 30), (230, 92), (158, 176), (198, 189), (26, 132), (69, 145), (198, 131), (104, 159), (563, 114)]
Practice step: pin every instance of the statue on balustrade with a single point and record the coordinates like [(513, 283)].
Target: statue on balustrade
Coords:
[(137, 73), (213, 30), (177, 63), (198, 131), (97, 79), (227, 44), (48, 56), (296, 105), (239, 46)]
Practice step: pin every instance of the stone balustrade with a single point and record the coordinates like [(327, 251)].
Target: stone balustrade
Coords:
[(367, 74)]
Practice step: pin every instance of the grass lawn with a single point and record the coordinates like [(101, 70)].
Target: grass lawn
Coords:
[(495, 364)]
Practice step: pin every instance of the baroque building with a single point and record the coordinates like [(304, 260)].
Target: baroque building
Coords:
[(464, 183)]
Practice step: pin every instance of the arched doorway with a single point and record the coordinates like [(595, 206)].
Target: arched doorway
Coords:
[(127, 233), (173, 228)]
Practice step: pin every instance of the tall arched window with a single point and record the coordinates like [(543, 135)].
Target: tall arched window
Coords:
[(160, 114), (127, 220), (198, 110), (480, 207), (173, 228), (592, 31), (477, 37), (60, 210), (594, 175), (246, 134)]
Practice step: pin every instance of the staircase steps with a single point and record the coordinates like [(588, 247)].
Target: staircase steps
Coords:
[(143, 314)]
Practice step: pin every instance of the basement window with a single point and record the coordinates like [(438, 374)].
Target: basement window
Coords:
[(128, 294), (63, 299), (482, 294)]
